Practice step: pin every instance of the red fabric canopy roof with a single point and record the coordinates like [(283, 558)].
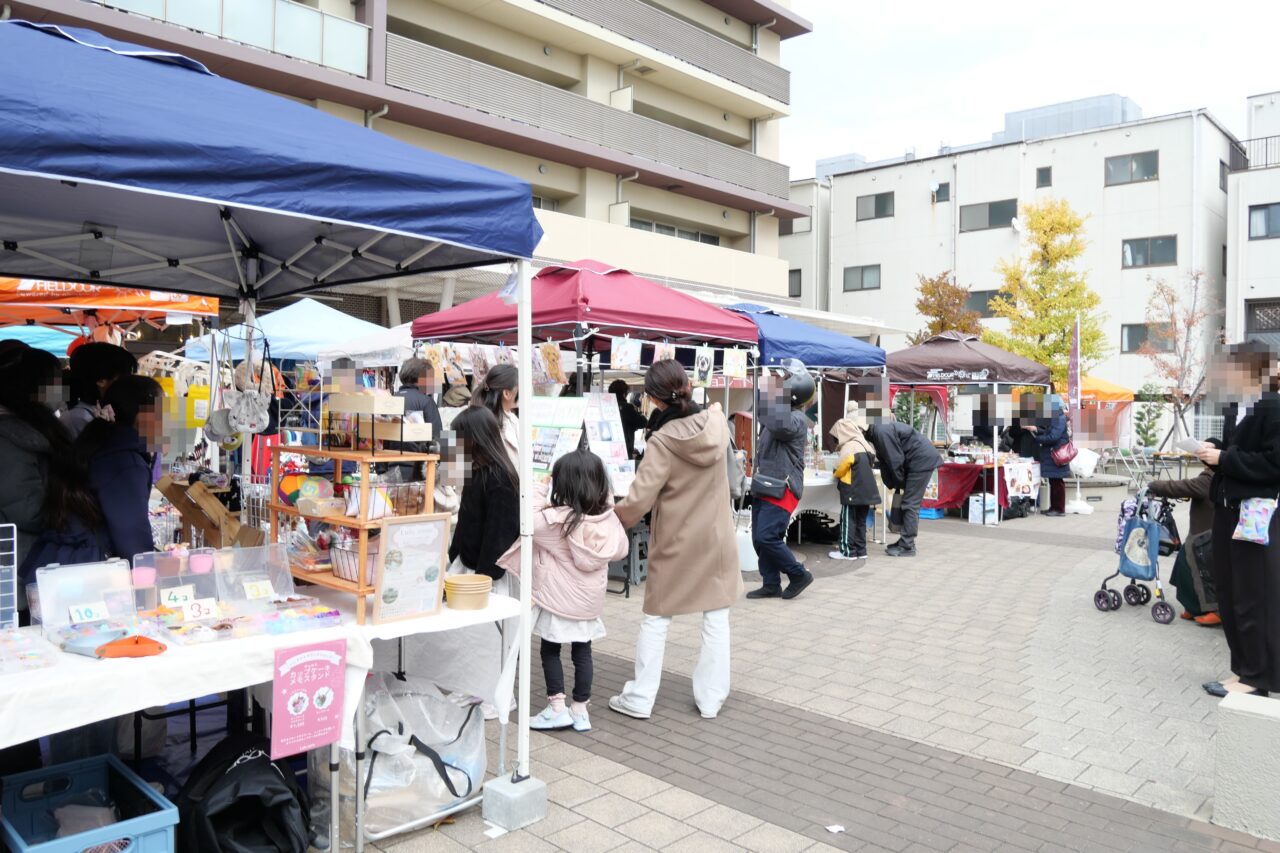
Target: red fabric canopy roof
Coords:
[(606, 299)]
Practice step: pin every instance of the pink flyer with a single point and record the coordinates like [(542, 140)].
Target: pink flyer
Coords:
[(306, 701)]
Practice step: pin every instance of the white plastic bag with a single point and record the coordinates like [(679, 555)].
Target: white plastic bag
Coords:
[(1085, 463)]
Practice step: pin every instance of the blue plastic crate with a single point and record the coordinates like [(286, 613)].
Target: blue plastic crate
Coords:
[(28, 825), (925, 512)]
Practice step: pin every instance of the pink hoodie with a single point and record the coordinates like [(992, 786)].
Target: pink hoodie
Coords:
[(570, 573)]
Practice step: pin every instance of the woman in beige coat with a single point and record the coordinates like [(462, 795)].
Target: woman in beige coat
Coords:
[(693, 564)]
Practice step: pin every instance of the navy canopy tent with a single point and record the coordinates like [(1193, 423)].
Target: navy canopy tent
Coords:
[(782, 337), (130, 166)]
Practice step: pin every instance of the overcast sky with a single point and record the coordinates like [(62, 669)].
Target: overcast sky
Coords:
[(880, 78)]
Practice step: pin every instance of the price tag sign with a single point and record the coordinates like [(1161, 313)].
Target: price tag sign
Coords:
[(254, 590), (201, 608), (92, 611), (178, 596)]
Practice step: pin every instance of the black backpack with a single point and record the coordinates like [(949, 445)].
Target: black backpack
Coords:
[(238, 800)]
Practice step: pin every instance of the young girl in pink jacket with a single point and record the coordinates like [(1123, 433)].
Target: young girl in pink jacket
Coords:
[(575, 537)]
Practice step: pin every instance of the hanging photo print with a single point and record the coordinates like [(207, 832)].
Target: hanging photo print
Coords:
[(664, 351), (480, 360), (625, 354), (551, 359), (703, 364), (735, 363), (539, 368), (453, 366)]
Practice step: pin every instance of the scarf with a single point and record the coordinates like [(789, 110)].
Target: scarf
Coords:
[(661, 417)]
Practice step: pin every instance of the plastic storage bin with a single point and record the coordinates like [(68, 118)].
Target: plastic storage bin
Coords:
[(250, 580), (84, 585), (28, 825)]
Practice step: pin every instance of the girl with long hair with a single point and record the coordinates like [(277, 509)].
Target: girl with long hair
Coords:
[(489, 513), (500, 393), (693, 562), (575, 537)]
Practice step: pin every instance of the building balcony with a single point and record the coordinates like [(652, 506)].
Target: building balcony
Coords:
[(430, 71), (280, 26), (1260, 153), (655, 28)]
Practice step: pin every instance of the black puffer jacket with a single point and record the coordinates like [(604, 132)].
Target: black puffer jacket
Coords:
[(901, 450), (1249, 466), (24, 461)]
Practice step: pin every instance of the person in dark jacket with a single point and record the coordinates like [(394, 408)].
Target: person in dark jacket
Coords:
[(1195, 489), (856, 483), (632, 420), (116, 450), (1051, 433), (489, 513), (907, 461), (417, 385), (784, 431), (1247, 574), (94, 367)]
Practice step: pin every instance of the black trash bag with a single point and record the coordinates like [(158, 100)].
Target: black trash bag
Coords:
[(812, 527), (238, 800), (1170, 539)]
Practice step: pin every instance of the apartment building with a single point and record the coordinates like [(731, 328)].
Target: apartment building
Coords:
[(1253, 227), (1153, 192), (647, 128)]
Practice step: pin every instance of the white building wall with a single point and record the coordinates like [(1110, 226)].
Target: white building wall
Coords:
[(922, 237), (1264, 115), (805, 249), (1253, 266)]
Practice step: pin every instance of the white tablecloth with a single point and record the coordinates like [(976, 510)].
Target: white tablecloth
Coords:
[(77, 690)]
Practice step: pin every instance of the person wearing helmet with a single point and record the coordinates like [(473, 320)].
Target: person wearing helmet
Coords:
[(907, 461), (777, 481)]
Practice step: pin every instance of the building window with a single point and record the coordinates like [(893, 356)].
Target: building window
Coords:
[(793, 284), (1264, 221), (862, 278), (1133, 168), (980, 301), (668, 230), (879, 206), (1262, 315), (1223, 170), (1133, 336), (541, 203), (989, 214), (943, 192), (1149, 252), (1044, 177)]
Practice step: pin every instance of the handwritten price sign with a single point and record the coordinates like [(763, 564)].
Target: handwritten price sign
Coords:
[(201, 608), (179, 596), (93, 611), (254, 590)]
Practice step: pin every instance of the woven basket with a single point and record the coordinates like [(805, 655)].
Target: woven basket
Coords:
[(346, 562)]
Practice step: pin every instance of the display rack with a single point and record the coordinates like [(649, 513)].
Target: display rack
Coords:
[(361, 463), (373, 418)]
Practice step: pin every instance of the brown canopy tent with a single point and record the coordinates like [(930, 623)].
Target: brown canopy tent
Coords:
[(958, 358)]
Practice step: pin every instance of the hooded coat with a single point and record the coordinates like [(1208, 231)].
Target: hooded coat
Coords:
[(693, 556), (1051, 433), (856, 481), (570, 573)]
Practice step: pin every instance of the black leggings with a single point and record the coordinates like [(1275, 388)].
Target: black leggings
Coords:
[(553, 670)]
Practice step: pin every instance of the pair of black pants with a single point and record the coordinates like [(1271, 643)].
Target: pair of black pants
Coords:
[(769, 525), (1057, 494), (1247, 576), (853, 530), (912, 495), (553, 670)]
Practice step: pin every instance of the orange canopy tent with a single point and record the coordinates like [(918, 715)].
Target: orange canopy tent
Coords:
[(26, 302), (1095, 390)]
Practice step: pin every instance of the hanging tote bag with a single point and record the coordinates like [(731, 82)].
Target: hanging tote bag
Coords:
[(1140, 554), (1065, 452)]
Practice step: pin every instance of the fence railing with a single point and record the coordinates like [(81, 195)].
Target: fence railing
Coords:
[(1260, 153)]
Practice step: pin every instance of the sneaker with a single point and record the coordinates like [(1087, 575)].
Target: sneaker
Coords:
[(550, 720), (1209, 619), (798, 585), (897, 550), (836, 555), (762, 592), (616, 704), (581, 719)]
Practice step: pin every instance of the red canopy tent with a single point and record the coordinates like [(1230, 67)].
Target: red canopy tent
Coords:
[(608, 301)]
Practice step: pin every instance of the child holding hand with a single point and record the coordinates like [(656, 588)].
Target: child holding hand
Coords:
[(576, 536)]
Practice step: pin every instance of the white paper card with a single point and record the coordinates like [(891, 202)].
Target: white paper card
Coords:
[(1189, 445)]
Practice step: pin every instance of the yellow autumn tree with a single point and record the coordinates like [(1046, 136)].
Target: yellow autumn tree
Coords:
[(943, 304), (1042, 294)]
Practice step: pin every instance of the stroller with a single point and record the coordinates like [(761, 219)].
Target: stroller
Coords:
[(1146, 531)]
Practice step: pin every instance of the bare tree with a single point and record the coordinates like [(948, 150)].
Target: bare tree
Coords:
[(1177, 320)]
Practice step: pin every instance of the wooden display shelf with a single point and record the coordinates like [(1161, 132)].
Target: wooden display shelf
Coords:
[(344, 520), (346, 454)]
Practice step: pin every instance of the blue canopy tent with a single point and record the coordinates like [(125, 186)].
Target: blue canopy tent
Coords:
[(782, 337), (130, 166), (296, 333), (52, 340)]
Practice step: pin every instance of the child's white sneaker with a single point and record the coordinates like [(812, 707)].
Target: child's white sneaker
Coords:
[(581, 719), (836, 555), (550, 720)]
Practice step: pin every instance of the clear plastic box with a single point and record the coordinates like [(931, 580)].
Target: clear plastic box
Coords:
[(84, 594), (252, 580), (172, 578)]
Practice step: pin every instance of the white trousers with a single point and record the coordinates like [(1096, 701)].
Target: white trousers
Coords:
[(710, 676)]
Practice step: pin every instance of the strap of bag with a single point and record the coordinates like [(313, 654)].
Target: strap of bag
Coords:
[(442, 766)]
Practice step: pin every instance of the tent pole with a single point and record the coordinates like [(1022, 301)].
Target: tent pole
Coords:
[(524, 340), (246, 439)]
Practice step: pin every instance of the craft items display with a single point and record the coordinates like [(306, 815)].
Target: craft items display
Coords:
[(603, 421), (663, 351), (21, 652), (735, 363), (704, 362), (624, 354), (553, 366)]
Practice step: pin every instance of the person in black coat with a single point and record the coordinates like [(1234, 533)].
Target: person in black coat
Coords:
[(632, 420), (417, 384), (1247, 574), (907, 461), (1051, 433), (489, 512)]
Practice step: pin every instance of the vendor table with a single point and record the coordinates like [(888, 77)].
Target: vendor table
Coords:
[(822, 495), (77, 690), (958, 480)]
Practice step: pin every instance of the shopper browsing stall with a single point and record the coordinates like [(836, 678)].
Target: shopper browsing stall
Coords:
[(576, 535), (94, 367), (632, 420), (693, 565), (907, 461), (417, 385), (1051, 433), (855, 481), (489, 514), (499, 393), (777, 481)]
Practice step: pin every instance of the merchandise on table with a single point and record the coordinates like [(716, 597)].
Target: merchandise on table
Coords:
[(21, 651)]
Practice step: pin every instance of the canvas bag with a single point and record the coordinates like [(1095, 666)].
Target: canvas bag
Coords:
[(1140, 554), (249, 409)]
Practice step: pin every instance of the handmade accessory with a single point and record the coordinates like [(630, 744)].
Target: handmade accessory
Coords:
[(1255, 520)]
